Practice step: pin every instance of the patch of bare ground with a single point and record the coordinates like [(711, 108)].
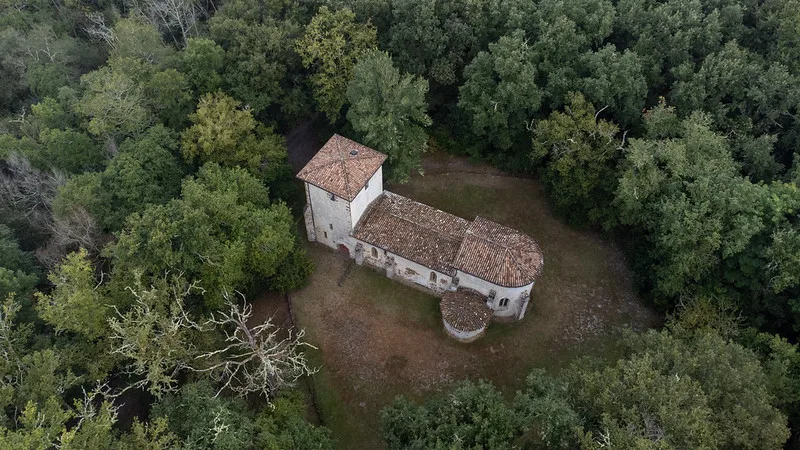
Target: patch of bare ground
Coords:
[(378, 338)]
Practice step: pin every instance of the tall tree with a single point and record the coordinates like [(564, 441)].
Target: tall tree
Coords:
[(390, 112), (225, 133), (203, 62), (332, 44), (679, 389), (261, 67), (684, 190), (577, 152), (223, 233), (615, 81), (77, 303), (500, 94)]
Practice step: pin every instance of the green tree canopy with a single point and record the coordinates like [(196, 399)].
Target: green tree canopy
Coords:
[(223, 233), (203, 62), (144, 172), (683, 188), (499, 94), (225, 133), (261, 67), (77, 303), (684, 389), (615, 81), (390, 112), (332, 44), (577, 153)]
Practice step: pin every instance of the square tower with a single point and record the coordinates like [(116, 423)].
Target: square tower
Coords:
[(341, 181)]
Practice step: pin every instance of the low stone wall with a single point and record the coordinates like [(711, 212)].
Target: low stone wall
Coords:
[(463, 336)]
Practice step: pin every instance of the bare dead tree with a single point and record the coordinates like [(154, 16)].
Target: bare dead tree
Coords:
[(99, 30), (255, 360), (170, 16), (29, 192), (77, 230), (180, 14), (11, 339)]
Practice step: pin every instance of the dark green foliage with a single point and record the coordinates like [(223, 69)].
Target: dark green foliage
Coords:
[(204, 420), (668, 34), (294, 271), (144, 172), (500, 94), (615, 81), (284, 426), (577, 153), (389, 110), (18, 271), (436, 39), (71, 151), (543, 409), (678, 388), (682, 191), (261, 67), (222, 232), (744, 94), (687, 389), (473, 414), (203, 61)]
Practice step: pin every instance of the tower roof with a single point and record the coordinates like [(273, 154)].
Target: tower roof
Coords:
[(499, 254), (342, 167)]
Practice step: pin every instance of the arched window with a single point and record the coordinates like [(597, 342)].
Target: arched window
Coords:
[(433, 277), (503, 302), (374, 252)]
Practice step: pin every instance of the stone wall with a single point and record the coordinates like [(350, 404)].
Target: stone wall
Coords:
[(463, 336), (372, 190), (516, 296), (404, 268), (331, 218)]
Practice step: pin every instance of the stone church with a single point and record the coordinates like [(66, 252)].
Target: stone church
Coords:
[(480, 268)]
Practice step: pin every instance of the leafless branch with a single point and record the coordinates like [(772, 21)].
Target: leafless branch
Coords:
[(254, 360)]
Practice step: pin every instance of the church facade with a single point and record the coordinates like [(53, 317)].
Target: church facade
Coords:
[(480, 268)]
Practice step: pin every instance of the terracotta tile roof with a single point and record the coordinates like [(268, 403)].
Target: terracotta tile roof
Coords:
[(342, 167), (413, 230), (465, 310), (499, 254)]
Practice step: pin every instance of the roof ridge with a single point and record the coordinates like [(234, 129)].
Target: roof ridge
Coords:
[(514, 258), (342, 163), (421, 225), (501, 244)]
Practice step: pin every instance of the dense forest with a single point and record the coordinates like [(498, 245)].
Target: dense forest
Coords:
[(145, 197)]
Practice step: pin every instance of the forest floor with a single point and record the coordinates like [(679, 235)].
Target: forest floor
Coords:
[(378, 338)]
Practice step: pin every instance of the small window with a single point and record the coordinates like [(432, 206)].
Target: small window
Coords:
[(326, 234), (333, 197), (433, 277), (374, 252), (330, 225), (503, 302)]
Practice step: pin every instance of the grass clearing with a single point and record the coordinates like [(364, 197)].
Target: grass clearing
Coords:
[(378, 338)]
